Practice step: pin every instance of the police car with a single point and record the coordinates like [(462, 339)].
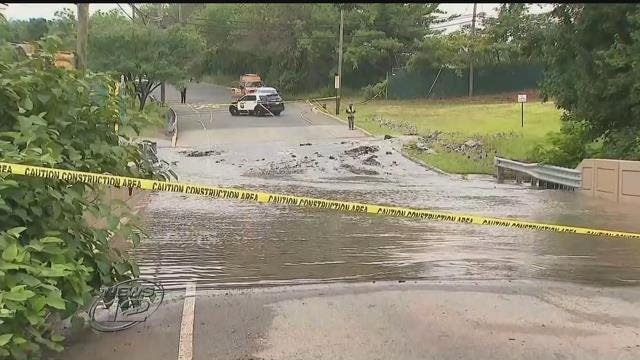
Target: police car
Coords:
[(265, 101)]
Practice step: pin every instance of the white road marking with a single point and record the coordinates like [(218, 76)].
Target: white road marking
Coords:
[(185, 349)]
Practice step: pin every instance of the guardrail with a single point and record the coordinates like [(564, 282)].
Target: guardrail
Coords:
[(570, 178), (172, 123), (172, 126)]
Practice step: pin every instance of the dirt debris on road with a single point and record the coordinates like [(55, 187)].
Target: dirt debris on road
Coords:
[(200, 153), (362, 150)]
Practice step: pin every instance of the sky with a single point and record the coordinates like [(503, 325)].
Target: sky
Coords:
[(26, 11)]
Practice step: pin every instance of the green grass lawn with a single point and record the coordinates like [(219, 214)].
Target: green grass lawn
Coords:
[(496, 125)]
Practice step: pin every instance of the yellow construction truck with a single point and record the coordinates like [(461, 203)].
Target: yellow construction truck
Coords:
[(62, 59), (247, 85)]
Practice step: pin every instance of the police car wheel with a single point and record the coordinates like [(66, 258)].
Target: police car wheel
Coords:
[(233, 110)]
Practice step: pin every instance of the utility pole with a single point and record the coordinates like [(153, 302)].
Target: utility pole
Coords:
[(180, 13), (162, 84), (133, 12), (340, 62), (386, 88), (83, 34), (473, 35)]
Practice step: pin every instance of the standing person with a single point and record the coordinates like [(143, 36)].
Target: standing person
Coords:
[(351, 111), (183, 95)]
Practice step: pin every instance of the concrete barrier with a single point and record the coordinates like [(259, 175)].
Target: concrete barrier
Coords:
[(616, 180)]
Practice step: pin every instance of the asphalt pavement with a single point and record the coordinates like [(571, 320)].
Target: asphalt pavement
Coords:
[(206, 121)]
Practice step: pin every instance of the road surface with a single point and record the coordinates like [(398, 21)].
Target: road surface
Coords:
[(275, 282)]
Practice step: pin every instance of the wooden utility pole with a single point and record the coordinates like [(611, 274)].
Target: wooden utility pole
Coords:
[(83, 35), (180, 13), (162, 84), (471, 47), (340, 62), (133, 12)]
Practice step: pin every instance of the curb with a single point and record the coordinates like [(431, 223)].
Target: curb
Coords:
[(339, 119), (423, 164), (402, 152)]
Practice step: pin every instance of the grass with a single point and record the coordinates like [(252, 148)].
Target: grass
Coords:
[(153, 117), (490, 121)]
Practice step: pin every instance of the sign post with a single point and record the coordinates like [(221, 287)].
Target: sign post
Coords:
[(337, 85), (522, 98)]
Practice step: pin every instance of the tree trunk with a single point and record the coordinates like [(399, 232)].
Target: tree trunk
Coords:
[(143, 99)]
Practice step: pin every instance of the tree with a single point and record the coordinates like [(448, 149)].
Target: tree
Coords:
[(145, 55), (64, 27), (31, 30), (515, 34), (388, 35), (592, 73)]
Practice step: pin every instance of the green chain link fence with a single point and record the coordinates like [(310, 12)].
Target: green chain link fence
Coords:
[(455, 82)]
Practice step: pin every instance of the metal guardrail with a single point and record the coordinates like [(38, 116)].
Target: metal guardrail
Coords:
[(172, 122), (172, 126), (553, 174)]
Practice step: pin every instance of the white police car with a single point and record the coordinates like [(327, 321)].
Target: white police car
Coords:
[(265, 101)]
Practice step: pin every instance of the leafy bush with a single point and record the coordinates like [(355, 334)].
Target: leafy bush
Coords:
[(377, 90), (52, 260), (574, 143)]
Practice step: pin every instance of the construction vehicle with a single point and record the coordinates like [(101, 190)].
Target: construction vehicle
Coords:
[(247, 85), (62, 59)]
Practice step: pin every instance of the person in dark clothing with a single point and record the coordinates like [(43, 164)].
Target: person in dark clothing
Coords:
[(351, 111), (183, 95)]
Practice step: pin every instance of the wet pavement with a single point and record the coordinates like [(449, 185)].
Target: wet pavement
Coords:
[(225, 244), (423, 320)]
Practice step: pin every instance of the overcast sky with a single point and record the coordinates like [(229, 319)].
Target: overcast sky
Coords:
[(26, 11)]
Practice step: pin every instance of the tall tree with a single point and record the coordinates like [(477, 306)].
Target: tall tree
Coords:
[(146, 55), (591, 55)]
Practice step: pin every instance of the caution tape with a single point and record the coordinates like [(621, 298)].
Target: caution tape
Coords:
[(307, 202), (221, 105)]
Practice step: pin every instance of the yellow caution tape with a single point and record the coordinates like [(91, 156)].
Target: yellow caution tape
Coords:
[(221, 105), (261, 197)]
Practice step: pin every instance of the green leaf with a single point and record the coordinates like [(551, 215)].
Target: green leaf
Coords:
[(6, 313), (27, 279), (37, 302), (33, 319), (27, 104), (4, 339), (44, 98), (51, 239), (16, 231), (19, 293), (57, 338), (56, 302), (19, 340), (10, 252)]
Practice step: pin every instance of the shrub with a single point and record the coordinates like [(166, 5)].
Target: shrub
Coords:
[(377, 90), (52, 260)]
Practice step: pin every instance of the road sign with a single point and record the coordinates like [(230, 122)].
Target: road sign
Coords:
[(522, 98), (337, 81)]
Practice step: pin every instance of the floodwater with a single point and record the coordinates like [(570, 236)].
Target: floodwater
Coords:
[(230, 243)]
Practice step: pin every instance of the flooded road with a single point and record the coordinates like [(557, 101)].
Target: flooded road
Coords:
[(225, 244)]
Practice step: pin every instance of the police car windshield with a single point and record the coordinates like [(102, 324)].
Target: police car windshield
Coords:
[(270, 97)]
